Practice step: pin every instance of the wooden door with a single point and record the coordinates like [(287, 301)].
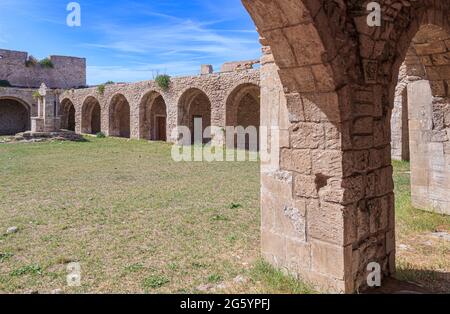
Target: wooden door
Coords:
[(161, 129)]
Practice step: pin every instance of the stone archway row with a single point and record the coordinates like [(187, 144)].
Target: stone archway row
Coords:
[(218, 88)]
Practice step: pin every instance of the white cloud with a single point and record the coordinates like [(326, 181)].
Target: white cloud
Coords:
[(187, 42)]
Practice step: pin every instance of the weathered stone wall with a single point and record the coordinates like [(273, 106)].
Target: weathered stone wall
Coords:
[(216, 87), (400, 119), (68, 72), (339, 77), (24, 96)]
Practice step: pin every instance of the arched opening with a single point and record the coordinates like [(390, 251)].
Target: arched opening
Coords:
[(194, 106), (67, 115), (153, 117), (91, 116), (425, 73), (243, 110), (339, 104), (420, 128), (14, 116), (119, 117)]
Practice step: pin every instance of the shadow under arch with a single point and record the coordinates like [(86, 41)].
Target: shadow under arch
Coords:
[(119, 116), (15, 115), (194, 105), (243, 109), (91, 116), (153, 117), (67, 113)]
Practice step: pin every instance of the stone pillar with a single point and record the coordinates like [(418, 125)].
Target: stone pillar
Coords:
[(400, 125), (134, 120), (327, 202), (38, 123), (430, 150)]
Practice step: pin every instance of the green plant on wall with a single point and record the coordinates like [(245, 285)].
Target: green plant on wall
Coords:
[(163, 81), (101, 89), (46, 63)]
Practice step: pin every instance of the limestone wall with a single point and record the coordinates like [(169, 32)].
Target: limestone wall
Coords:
[(12, 102), (400, 120), (68, 72), (430, 149), (217, 87)]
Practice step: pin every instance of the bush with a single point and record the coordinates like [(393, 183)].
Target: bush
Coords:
[(100, 135), (163, 81), (46, 63), (101, 89), (5, 83)]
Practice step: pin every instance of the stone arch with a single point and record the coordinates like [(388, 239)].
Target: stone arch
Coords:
[(91, 116), (193, 104), (67, 115), (14, 116), (153, 117), (243, 108), (427, 69), (334, 178), (119, 116), (305, 93)]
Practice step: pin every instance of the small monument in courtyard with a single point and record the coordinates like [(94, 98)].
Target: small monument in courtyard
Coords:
[(47, 119)]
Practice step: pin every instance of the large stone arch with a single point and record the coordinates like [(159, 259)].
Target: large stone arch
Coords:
[(14, 116), (153, 117), (427, 69), (91, 116), (194, 103), (328, 202), (307, 178), (243, 108), (119, 116), (68, 113)]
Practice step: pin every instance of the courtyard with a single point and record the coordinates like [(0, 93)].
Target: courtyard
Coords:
[(138, 222)]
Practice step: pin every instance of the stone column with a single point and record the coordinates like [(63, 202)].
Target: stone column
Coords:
[(430, 151)]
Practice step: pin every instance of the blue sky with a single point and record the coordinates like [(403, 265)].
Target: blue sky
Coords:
[(126, 41)]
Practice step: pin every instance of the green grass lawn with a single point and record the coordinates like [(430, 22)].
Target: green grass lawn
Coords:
[(137, 221), (425, 260)]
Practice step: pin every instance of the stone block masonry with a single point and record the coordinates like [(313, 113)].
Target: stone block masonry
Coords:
[(208, 93), (67, 72)]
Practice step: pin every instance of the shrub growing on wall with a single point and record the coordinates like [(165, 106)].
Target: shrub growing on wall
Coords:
[(46, 63), (101, 89), (163, 81)]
